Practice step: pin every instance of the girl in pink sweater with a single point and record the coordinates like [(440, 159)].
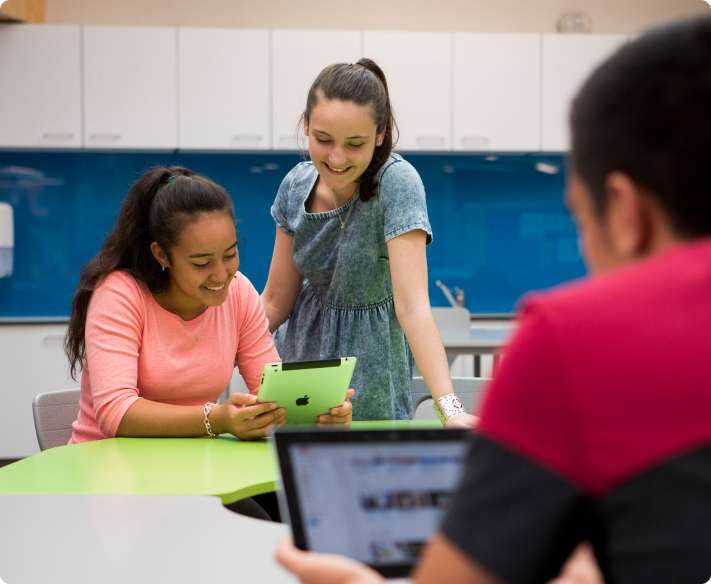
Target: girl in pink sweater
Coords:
[(161, 318)]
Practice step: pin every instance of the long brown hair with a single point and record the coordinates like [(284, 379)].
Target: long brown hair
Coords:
[(362, 83), (156, 208)]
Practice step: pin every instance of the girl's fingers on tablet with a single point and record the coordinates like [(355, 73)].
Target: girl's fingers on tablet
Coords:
[(249, 427), (254, 433), (276, 423), (256, 410), (261, 421), (264, 431), (278, 416), (336, 413), (242, 399), (343, 410)]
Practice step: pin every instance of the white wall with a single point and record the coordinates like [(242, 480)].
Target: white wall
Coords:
[(607, 16)]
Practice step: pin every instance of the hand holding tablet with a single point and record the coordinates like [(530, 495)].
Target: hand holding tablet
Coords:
[(243, 416), (309, 390), (341, 415)]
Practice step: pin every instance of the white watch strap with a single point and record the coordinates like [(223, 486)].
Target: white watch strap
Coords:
[(447, 406)]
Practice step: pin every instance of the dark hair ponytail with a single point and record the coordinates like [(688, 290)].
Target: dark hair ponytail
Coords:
[(155, 209), (362, 83)]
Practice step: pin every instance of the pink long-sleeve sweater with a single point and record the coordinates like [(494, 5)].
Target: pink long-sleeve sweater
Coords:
[(137, 349)]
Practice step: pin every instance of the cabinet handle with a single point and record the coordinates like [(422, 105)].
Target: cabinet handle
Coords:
[(111, 136), (246, 139), (289, 140), (52, 339), (57, 135), (430, 141), (475, 141)]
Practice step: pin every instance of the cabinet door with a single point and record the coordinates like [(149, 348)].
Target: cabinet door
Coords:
[(298, 56), (32, 361), (223, 88), (40, 76), (418, 69), (496, 92), (130, 87), (567, 60)]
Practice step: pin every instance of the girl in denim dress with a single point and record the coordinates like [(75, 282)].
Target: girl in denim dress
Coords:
[(349, 272)]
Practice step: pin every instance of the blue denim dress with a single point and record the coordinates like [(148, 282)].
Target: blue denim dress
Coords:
[(345, 306)]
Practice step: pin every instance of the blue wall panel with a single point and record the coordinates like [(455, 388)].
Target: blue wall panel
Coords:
[(500, 226)]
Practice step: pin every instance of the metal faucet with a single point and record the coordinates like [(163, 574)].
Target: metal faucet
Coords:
[(457, 300), (459, 296)]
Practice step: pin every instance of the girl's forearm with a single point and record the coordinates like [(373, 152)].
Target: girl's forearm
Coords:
[(427, 349), (150, 418), (275, 314)]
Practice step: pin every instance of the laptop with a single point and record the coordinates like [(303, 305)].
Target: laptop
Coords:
[(373, 495)]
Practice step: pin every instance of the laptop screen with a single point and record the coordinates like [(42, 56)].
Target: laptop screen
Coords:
[(375, 496)]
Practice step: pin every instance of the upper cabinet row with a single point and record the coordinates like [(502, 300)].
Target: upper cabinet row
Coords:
[(103, 87)]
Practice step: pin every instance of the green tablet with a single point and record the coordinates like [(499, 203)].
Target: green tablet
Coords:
[(307, 389)]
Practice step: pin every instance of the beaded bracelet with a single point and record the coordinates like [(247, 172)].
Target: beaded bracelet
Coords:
[(206, 409)]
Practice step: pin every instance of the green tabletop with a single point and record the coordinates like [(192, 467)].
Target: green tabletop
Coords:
[(226, 467)]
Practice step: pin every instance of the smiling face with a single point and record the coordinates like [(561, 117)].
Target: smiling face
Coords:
[(342, 138), (201, 264)]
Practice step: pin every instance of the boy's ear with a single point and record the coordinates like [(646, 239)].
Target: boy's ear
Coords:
[(628, 219)]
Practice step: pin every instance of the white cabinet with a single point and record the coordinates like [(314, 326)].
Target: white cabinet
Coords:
[(40, 76), (418, 69), (567, 60), (297, 58), (223, 89), (245, 89), (496, 92), (130, 87), (32, 361)]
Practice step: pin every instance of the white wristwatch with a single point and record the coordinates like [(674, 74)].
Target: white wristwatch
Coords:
[(447, 406)]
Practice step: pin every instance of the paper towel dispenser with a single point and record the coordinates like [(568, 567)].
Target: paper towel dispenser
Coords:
[(7, 240)]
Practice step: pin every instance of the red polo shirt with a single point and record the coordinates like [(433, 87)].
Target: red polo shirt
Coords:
[(597, 428)]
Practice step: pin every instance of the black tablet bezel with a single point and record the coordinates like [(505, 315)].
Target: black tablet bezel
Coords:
[(283, 439)]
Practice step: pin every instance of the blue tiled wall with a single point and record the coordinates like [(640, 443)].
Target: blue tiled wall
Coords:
[(500, 226)]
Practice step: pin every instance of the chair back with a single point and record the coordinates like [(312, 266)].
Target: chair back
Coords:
[(452, 319), (54, 413), (468, 389)]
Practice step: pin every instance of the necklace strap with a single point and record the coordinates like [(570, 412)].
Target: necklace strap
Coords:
[(348, 214)]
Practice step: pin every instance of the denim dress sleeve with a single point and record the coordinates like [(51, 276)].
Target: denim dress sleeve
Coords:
[(284, 207), (402, 198)]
